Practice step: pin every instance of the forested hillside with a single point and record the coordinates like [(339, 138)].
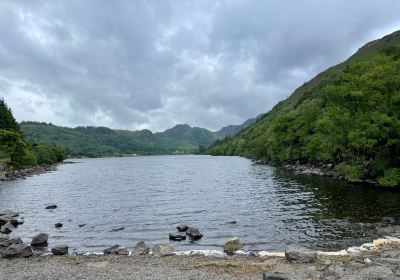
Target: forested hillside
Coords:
[(102, 141), (347, 116), (16, 151)]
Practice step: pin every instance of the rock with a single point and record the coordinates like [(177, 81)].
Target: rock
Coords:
[(58, 225), (117, 229), (370, 182), (232, 222), (6, 228), (40, 240), (295, 253), (177, 236), (274, 276), (117, 250), (182, 227), (8, 219), (60, 250), (82, 225), (111, 249), (194, 233), (51, 206), (10, 241), (18, 251), (162, 250), (9, 213), (233, 245), (140, 249)]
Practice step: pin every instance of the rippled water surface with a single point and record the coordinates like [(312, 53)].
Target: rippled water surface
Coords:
[(149, 196)]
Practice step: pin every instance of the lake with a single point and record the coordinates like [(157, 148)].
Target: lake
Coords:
[(149, 196)]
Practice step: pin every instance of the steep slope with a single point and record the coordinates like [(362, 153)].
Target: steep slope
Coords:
[(232, 130), (347, 115)]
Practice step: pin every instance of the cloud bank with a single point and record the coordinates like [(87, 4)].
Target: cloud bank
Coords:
[(153, 64)]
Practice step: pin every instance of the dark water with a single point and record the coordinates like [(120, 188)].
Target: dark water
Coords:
[(149, 196)]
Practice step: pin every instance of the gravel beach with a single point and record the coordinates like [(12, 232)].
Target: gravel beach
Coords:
[(382, 263)]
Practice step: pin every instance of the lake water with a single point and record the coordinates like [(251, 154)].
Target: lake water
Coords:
[(149, 196)]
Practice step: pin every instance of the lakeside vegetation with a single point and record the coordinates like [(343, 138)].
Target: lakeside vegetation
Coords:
[(347, 116), (16, 151)]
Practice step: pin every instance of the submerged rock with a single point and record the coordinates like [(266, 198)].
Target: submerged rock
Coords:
[(233, 245), (51, 206), (82, 225), (163, 250), (18, 251), (40, 240), (117, 229), (58, 225), (194, 233), (9, 213), (295, 253), (140, 249), (177, 236), (60, 250)]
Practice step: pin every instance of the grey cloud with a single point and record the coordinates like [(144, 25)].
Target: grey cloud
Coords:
[(153, 64)]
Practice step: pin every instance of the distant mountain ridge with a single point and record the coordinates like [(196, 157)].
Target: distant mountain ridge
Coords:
[(92, 141)]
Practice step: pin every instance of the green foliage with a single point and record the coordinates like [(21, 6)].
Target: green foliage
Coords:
[(18, 152), (7, 121), (391, 178), (348, 114), (102, 141), (351, 171)]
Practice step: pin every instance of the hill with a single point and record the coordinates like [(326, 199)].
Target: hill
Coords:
[(232, 130), (347, 116), (16, 151)]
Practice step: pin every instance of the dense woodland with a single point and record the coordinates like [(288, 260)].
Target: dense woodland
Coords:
[(347, 116), (16, 151)]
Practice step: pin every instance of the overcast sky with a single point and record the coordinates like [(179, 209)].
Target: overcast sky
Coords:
[(153, 64)]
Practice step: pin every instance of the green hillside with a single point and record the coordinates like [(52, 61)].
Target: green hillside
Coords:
[(347, 115), (102, 141), (16, 151)]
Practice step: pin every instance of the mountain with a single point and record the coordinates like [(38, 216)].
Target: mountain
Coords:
[(347, 116), (102, 141), (231, 130)]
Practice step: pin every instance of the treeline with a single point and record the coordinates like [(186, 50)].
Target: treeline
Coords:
[(17, 151), (347, 116)]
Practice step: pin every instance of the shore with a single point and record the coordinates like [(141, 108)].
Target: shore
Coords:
[(381, 263)]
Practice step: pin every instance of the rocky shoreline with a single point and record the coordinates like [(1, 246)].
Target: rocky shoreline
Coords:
[(10, 174), (324, 170), (379, 259)]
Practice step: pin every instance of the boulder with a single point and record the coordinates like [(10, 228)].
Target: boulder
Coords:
[(194, 233), (40, 240), (274, 276), (6, 228), (8, 219), (58, 225), (18, 251), (117, 250), (111, 250), (140, 249), (10, 241), (60, 250), (182, 227), (177, 236), (162, 250), (9, 213), (233, 245), (295, 253), (51, 206)]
